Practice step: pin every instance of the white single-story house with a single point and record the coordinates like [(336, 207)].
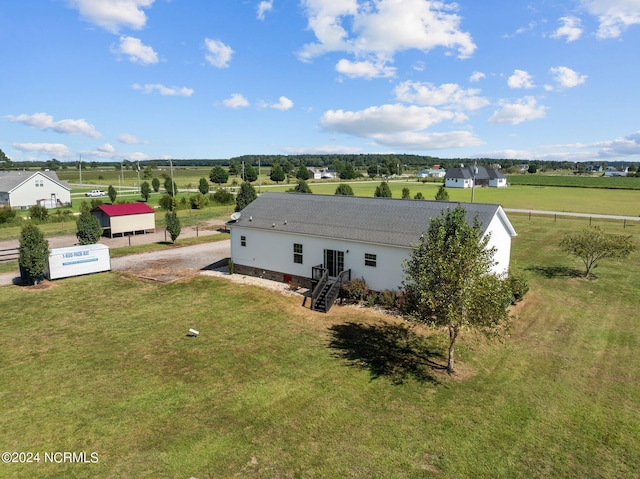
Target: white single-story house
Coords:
[(322, 173), (464, 177), (282, 236), (431, 173), (125, 218), (612, 171), (23, 189)]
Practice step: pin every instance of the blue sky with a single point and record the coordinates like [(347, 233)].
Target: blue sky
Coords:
[(142, 79)]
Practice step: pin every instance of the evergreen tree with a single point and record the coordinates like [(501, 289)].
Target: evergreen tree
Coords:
[(442, 194), (383, 190), (245, 196), (155, 184), (250, 173), (111, 191), (344, 190), (303, 173), (203, 187), (348, 172), (406, 194), (170, 187), (173, 225), (277, 173), (33, 253), (302, 187), (145, 190), (89, 229), (218, 175)]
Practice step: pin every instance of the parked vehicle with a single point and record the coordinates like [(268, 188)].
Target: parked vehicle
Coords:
[(95, 193)]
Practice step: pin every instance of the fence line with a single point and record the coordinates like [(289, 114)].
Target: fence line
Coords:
[(626, 220), (9, 254)]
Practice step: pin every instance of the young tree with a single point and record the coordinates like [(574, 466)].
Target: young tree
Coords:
[(302, 187), (170, 187), (111, 191), (418, 196), (442, 194), (203, 186), (89, 229), (155, 184), (245, 196), (383, 190), (302, 173), (449, 275), (406, 194), (33, 253), (348, 172), (250, 173), (145, 190), (344, 190), (173, 225), (592, 245), (277, 173), (235, 168), (218, 175), (372, 171), (168, 203)]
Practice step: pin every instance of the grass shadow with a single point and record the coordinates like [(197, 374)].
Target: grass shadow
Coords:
[(555, 271), (386, 350)]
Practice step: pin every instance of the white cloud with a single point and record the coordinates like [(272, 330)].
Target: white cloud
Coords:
[(364, 69), (448, 95), (476, 77), (55, 150), (42, 121), (218, 54), (136, 51), (398, 126), (520, 79), (163, 90), (620, 147), (113, 14), (615, 16), (522, 110), (322, 150), (283, 104), (571, 29), (566, 77), (263, 8), (236, 101), (128, 139), (107, 148), (376, 31)]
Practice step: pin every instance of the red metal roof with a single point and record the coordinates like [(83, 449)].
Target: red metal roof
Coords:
[(125, 209)]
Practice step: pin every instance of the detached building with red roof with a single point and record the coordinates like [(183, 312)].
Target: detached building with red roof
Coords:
[(125, 218)]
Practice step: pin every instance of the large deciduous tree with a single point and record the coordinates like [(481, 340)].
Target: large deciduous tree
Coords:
[(449, 278), (592, 245), (33, 253)]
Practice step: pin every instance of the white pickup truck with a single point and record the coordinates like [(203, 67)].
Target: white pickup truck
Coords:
[(94, 193)]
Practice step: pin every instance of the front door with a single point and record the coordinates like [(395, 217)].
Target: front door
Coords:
[(334, 262)]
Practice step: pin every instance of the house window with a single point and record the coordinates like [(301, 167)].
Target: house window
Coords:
[(297, 253), (370, 259), (39, 183), (243, 241)]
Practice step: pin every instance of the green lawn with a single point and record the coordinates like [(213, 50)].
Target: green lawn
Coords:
[(102, 364)]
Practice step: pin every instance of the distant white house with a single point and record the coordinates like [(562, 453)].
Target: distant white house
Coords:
[(286, 236), (469, 176), (322, 173), (23, 189), (612, 171), (431, 173)]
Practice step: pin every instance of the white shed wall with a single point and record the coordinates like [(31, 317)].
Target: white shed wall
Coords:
[(130, 223)]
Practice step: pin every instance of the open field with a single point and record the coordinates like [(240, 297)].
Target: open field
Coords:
[(272, 390)]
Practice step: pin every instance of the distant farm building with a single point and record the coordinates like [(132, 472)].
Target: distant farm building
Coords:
[(469, 176), (129, 218), (23, 189), (431, 173)]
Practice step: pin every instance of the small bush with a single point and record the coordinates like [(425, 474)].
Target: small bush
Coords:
[(405, 302), (7, 214), (386, 299), (518, 287), (39, 213), (198, 201), (223, 197), (167, 203), (355, 290), (95, 202)]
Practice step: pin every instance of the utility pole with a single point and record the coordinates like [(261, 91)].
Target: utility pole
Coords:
[(80, 166), (259, 178), (138, 174), (173, 189)]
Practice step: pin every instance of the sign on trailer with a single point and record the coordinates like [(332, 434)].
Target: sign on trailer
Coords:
[(78, 260)]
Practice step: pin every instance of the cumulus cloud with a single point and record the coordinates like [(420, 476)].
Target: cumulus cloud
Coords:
[(322, 150), (375, 31), (236, 101), (520, 79), (398, 125), (449, 96), (571, 29), (107, 148), (218, 54), (615, 16), (113, 14), (566, 77), (163, 90), (55, 150), (263, 8), (476, 77), (42, 121), (620, 147), (364, 69), (522, 110), (283, 104), (136, 51), (128, 139)]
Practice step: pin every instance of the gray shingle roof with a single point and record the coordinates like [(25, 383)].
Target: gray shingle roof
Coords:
[(10, 179), (397, 222), (467, 172)]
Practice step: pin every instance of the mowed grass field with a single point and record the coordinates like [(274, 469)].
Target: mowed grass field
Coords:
[(269, 389)]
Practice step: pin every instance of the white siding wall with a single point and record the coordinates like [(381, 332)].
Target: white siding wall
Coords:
[(458, 183), (272, 250), (28, 193), (498, 182), (501, 240)]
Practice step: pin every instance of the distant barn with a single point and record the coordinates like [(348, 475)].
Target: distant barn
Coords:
[(129, 218)]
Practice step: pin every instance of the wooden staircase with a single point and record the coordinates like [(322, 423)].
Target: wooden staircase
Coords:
[(326, 290)]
